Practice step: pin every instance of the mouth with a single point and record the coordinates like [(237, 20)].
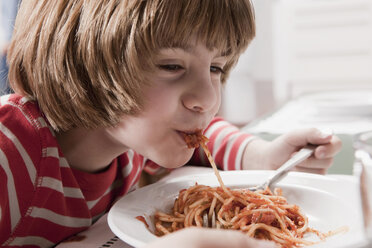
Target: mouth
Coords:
[(193, 138)]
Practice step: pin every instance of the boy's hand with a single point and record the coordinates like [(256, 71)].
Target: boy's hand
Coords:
[(270, 155), (209, 238)]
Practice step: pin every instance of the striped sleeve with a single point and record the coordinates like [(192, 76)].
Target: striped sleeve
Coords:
[(226, 143), (19, 153)]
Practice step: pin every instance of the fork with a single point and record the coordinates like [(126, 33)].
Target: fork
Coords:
[(282, 171), (212, 222)]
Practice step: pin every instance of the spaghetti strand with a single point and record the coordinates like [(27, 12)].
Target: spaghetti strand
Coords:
[(261, 214)]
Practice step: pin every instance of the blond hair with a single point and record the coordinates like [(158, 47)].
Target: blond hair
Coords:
[(83, 60)]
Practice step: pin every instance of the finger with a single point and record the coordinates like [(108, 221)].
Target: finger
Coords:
[(302, 137), (328, 150), (316, 163), (321, 171), (320, 136), (236, 239), (213, 238)]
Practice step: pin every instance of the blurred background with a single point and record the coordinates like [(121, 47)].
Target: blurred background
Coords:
[(310, 65), (301, 47), (8, 12)]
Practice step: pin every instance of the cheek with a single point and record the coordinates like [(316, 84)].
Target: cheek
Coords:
[(161, 100), (218, 98), (127, 132)]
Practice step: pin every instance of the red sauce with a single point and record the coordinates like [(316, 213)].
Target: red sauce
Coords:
[(142, 219), (194, 140)]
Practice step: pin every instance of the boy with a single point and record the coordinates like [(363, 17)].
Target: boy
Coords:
[(106, 89)]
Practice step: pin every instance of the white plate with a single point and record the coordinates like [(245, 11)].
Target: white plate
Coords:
[(329, 202)]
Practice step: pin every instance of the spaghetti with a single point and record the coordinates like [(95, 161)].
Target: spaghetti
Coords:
[(195, 139), (261, 214)]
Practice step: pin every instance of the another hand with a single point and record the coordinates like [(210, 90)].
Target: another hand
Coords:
[(270, 155), (209, 238)]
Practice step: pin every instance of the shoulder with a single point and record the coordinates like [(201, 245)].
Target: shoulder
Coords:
[(21, 125), (23, 110), (20, 116)]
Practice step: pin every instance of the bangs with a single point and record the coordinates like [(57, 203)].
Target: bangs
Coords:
[(175, 23), (90, 56)]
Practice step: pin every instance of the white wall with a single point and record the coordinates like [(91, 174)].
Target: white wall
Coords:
[(248, 92), (321, 45), (302, 46)]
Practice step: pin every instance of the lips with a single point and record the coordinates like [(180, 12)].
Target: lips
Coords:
[(185, 134), (195, 131), (194, 138)]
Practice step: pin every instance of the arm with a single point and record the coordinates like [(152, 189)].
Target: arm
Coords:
[(260, 154), (226, 144)]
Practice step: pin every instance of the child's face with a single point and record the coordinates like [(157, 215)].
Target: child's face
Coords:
[(184, 95)]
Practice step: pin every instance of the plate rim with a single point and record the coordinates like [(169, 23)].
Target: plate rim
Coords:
[(195, 177)]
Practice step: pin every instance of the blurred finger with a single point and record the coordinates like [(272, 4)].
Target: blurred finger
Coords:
[(235, 239), (317, 163), (302, 137), (321, 171), (320, 136), (209, 238), (328, 150)]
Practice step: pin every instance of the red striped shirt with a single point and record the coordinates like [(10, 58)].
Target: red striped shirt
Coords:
[(43, 201)]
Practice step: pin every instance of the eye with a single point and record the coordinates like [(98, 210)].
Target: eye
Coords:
[(170, 67), (217, 70)]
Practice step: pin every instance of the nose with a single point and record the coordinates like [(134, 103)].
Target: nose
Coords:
[(202, 95)]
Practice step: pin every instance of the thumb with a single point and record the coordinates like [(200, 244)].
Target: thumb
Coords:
[(233, 239), (321, 136)]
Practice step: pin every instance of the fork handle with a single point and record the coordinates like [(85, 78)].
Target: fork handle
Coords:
[(299, 157)]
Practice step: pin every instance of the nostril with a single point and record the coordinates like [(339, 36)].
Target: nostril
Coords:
[(197, 109), (200, 98)]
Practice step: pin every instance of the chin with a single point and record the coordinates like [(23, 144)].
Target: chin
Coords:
[(173, 163)]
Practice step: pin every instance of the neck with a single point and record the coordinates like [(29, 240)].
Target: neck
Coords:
[(89, 150)]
